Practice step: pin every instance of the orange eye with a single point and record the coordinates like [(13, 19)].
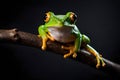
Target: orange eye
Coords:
[(73, 17), (47, 17)]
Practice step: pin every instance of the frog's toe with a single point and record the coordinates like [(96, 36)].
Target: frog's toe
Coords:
[(102, 62), (66, 55), (97, 65), (98, 62), (43, 47), (74, 55)]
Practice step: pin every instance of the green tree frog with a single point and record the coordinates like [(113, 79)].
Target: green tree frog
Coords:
[(62, 28)]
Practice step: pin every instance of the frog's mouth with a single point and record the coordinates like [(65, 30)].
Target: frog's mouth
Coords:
[(62, 34)]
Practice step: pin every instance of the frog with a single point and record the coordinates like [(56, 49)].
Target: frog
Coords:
[(63, 29)]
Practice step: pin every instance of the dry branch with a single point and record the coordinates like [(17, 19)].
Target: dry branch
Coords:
[(28, 39)]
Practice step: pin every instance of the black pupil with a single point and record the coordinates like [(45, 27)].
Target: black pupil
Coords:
[(45, 17), (74, 17)]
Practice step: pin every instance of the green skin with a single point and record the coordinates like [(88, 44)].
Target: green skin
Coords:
[(81, 40)]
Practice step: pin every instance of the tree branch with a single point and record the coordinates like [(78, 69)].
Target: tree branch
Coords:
[(28, 39)]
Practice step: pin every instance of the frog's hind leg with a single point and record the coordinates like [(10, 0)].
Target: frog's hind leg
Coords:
[(73, 48), (97, 55)]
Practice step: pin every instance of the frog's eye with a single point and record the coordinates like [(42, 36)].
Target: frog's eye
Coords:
[(47, 17), (73, 17)]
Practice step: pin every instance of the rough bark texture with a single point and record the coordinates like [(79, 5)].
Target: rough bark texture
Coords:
[(28, 39)]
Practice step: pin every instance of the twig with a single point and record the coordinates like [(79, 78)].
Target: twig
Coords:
[(28, 39)]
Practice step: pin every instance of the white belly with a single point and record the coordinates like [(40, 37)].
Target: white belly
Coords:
[(62, 34)]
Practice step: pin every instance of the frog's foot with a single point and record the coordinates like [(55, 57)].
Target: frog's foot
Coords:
[(50, 37), (44, 40), (99, 59), (71, 51)]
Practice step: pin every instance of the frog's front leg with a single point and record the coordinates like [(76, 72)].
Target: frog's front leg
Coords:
[(73, 49), (45, 35)]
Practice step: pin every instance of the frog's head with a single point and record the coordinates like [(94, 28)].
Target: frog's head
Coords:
[(52, 20)]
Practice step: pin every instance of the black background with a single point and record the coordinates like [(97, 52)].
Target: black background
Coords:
[(96, 18)]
